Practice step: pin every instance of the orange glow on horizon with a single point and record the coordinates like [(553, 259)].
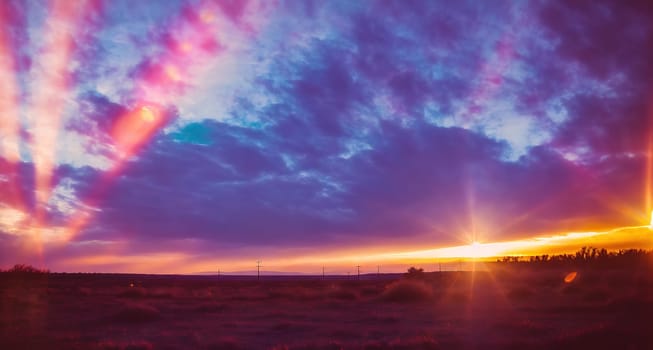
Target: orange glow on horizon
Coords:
[(338, 261)]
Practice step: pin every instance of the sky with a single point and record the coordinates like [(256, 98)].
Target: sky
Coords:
[(188, 136)]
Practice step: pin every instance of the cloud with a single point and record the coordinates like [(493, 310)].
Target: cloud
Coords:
[(410, 175), (612, 44), (348, 124)]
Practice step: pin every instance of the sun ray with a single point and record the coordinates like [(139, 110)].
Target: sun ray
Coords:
[(648, 175), (9, 125), (51, 84), (11, 189)]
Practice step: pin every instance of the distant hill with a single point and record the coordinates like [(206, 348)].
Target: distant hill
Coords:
[(251, 273)]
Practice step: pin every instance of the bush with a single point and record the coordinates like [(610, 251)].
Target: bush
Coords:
[(520, 293), (24, 269), (112, 345), (415, 273), (136, 313), (225, 343), (424, 342), (407, 291), (133, 292), (342, 294)]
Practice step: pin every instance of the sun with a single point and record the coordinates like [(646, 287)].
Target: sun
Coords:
[(473, 250)]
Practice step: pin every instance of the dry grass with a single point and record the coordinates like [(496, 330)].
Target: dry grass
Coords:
[(136, 313), (407, 291), (495, 310), (136, 345)]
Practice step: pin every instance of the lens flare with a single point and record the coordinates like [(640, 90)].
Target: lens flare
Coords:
[(570, 277)]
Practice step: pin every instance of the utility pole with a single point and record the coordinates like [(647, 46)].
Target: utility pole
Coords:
[(440, 267), (258, 270), (323, 273), (359, 271), (378, 271), (218, 273)]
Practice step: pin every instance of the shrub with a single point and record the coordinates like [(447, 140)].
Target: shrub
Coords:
[(211, 307), (407, 291), (424, 342), (141, 345), (133, 292), (415, 273), (137, 313), (342, 294), (111, 345), (24, 269), (520, 293), (225, 343)]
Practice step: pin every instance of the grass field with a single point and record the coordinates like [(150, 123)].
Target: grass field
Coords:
[(506, 307)]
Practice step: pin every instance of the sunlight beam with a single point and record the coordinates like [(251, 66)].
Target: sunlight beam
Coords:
[(10, 135), (9, 125), (51, 85), (648, 175)]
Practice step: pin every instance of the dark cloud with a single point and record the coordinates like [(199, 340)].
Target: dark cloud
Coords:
[(608, 41)]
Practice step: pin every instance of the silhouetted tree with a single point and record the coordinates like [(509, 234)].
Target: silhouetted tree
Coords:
[(415, 272), (24, 269), (588, 256)]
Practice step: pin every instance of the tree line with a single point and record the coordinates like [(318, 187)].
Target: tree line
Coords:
[(585, 256)]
